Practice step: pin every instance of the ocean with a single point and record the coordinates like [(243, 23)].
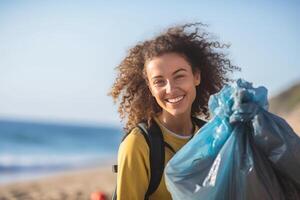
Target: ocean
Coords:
[(30, 150)]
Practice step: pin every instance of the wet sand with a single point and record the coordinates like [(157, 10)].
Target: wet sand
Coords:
[(74, 185)]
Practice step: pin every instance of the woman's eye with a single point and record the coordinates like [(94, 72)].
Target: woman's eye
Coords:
[(158, 82), (179, 76)]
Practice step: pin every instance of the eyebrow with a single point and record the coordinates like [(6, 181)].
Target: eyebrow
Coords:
[(178, 70)]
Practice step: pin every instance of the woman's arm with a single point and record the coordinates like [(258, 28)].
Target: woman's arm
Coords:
[(133, 167)]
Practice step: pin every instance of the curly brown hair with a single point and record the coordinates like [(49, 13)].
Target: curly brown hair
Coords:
[(204, 54)]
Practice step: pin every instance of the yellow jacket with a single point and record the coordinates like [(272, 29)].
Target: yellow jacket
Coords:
[(134, 165)]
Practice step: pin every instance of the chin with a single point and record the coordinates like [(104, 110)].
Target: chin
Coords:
[(176, 112)]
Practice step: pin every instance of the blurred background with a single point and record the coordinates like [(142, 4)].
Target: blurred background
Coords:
[(57, 61)]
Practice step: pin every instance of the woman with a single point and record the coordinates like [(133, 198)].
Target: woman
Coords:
[(166, 80)]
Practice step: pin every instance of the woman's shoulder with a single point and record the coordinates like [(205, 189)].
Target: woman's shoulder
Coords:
[(134, 135), (134, 141)]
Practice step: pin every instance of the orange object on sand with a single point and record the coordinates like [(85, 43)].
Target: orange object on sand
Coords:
[(98, 196)]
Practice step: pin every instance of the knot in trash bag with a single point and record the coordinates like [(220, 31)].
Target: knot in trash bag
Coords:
[(239, 102)]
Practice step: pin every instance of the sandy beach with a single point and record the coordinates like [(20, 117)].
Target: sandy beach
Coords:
[(73, 185)]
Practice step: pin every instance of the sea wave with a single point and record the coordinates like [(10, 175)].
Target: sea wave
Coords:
[(13, 163), (36, 149)]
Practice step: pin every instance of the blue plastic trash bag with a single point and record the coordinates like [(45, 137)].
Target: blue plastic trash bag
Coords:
[(243, 152)]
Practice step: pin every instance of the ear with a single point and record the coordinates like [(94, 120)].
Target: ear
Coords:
[(197, 77)]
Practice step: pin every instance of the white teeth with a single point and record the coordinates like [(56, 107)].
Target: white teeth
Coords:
[(175, 100)]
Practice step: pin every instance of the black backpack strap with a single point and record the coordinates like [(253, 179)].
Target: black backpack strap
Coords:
[(114, 195), (154, 138)]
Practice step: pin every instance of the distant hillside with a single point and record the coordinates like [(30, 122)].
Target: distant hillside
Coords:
[(287, 101), (287, 105)]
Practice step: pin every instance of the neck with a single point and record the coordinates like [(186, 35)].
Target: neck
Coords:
[(181, 125)]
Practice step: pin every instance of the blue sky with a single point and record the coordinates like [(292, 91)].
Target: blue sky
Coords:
[(57, 58)]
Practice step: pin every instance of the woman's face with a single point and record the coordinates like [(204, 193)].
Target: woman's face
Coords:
[(172, 83)]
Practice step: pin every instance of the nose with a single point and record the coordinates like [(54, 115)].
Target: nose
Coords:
[(169, 87)]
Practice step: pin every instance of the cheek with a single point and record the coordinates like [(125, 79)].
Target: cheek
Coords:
[(152, 89), (193, 92), (158, 96), (155, 92)]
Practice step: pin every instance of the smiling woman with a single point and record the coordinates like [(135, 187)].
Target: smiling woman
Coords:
[(165, 81), (173, 85)]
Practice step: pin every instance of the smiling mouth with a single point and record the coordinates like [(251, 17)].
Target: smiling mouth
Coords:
[(175, 100)]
